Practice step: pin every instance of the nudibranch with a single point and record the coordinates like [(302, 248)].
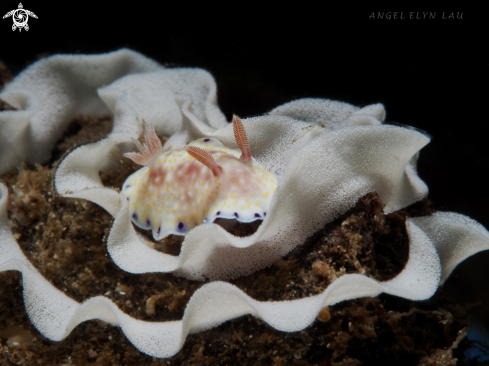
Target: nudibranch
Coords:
[(198, 183)]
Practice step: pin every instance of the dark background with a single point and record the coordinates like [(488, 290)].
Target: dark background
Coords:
[(429, 73)]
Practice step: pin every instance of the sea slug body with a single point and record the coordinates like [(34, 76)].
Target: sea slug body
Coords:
[(197, 183)]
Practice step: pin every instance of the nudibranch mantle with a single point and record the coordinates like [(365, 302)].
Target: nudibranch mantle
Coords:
[(197, 183)]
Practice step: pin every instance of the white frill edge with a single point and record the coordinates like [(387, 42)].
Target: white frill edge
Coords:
[(132, 87), (432, 256), (325, 170)]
